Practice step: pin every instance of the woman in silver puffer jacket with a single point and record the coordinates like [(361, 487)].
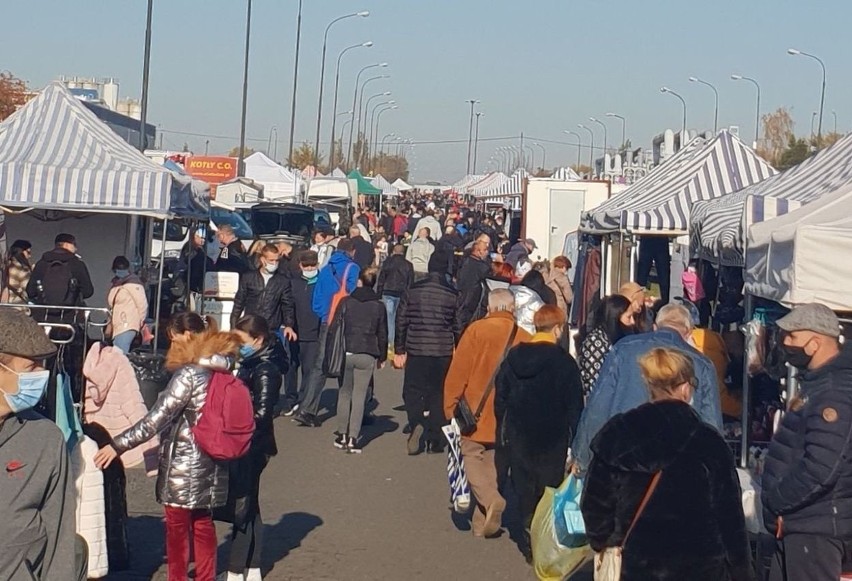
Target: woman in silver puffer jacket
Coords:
[(189, 483)]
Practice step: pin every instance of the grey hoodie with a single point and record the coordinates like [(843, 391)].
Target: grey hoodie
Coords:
[(37, 501)]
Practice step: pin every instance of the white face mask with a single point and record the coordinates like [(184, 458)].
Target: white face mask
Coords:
[(309, 274), (271, 268)]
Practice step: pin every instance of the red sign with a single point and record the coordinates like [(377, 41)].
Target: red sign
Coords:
[(213, 170)]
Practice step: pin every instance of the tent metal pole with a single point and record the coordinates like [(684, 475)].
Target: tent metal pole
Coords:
[(604, 266), (160, 289), (633, 249), (749, 307), (619, 282)]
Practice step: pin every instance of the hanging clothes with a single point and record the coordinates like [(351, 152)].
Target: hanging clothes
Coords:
[(654, 251), (91, 511)]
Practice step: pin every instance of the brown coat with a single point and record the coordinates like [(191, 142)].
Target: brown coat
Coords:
[(561, 287), (478, 354)]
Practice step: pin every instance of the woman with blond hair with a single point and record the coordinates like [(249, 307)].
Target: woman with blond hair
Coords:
[(661, 456)]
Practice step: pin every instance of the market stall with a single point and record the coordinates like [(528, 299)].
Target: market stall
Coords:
[(279, 183)]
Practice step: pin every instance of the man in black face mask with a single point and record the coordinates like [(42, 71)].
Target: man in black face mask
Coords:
[(807, 481)]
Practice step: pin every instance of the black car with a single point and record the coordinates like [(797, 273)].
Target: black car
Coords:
[(292, 223)]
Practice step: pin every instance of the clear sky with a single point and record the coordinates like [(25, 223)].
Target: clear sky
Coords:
[(539, 66)]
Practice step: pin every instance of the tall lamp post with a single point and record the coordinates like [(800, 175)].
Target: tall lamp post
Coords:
[(757, 110), (591, 147), (367, 138), (378, 121), (295, 82), (670, 92), (242, 153), (270, 142), (476, 140), (146, 67), (715, 102), (355, 103), (367, 44), (358, 133), (795, 52), (579, 144), (370, 147), (623, 128), (473, 103), (543, 155), (602, 124), (322, 74), (384, 142)]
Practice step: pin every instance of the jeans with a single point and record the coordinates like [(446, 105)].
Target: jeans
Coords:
[(182, 527), (314, 382), (655, 249), (353, 393), (391, 304), (423, 394), (123, 341), (291, 379), (811, 557)]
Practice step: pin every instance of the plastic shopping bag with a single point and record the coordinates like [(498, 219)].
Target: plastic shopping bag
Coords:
[(456, 475), (553, 561), (570, 526)]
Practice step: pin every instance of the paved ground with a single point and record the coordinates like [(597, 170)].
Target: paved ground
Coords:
[(334, 516)]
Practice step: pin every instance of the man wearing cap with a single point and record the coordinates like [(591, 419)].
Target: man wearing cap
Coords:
[(520, 252), (807, 480), (37, 501)]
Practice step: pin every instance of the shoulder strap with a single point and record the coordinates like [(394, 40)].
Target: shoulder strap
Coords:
[(648, 493), (490, 387)]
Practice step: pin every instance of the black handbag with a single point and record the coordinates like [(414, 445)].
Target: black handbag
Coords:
[(465, 417), (335, 344)]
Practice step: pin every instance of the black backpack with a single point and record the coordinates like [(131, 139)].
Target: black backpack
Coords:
[(58, 286)]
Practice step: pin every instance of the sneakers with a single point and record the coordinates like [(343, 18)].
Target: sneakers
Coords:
[(253, 575), (352, 446), (292, 411), (340, 441), (226, 576), (415, 445), (307, 420), (494, 518)]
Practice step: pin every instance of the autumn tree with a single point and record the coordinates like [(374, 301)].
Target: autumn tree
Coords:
[(391, 167), (235, 152), (777, 135), (797, 151), (303, 156), (13, 94)]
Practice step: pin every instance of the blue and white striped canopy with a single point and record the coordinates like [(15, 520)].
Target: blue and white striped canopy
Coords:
[(55, 154), (566, 174), (718, 227), (661, 202)]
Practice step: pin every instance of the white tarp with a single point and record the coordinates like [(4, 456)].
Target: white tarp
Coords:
[(803, 256), (401, 185), (278, 182)]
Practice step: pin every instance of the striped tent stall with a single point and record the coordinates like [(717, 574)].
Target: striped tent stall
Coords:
[(508, 192), (718, 227), (387, 189), (55, 154), (488, 184), (661, 202), (461, 185), (566, 174)]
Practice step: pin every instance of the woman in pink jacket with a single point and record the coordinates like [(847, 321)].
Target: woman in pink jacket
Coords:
[(128, 304)]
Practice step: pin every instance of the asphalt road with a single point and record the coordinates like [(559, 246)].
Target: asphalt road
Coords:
[(335, 516)]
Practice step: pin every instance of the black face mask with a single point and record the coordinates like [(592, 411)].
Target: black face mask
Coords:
[(797, 357)]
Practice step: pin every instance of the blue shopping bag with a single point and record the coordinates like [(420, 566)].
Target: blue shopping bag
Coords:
[(567, 517)]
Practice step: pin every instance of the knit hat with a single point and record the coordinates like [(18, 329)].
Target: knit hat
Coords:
[(439, 262), (22, 336)]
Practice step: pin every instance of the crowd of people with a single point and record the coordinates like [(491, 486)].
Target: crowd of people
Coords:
[(480, 330)]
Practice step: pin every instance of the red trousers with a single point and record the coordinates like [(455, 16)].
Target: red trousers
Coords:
[(185, 525)]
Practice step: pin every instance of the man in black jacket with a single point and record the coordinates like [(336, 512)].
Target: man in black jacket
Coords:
[(395, 278), (427, 330), (61, 278), (232, 256), (267, 294), (471, 282), (807, 481), (365, 254)]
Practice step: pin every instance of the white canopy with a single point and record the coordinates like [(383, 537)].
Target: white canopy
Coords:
[(278, 182), (803, 256), (387, 189), (566, 174), (401, 185)]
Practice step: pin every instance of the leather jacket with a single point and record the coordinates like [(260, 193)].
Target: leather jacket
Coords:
[(262, 373), (187, 477), (271, 300)]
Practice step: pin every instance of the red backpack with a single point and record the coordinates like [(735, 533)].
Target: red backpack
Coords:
[(226, 425)]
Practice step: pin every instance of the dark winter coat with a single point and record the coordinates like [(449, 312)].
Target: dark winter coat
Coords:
[(693, 526), (366, 324), (76, 267), (272, 300), (517, 254), (396, 276), (262, 374), (233, 258), (538, 398), (472, 272), (307, 321), (807, 478), (427, 322), (365, 254)]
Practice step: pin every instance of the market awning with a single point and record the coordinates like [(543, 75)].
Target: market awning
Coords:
[(278, 182), (662, 201), (488, 184), (364, 187), (55, 154), (718, 226), (401, 185), (566, 174), (387, 188)]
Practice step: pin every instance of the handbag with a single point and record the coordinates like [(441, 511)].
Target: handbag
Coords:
[(463, 414), (335, 344), (608, 561)]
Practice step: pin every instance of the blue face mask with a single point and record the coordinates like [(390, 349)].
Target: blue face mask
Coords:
[(247, 351), (31, 386), (122, 273)]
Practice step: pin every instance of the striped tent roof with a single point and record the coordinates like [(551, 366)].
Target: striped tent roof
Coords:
[(380, 182), (489, 183), (56, 154), (467, 180), (566, 174), (662, 201), (718, 226)]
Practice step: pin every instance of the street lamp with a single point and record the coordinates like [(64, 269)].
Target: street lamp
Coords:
[(366, 140), (543, 155), (602, 124), (367, 44), (793, 51), (670, 92), (757, 114), (835, 121), (579, 142), (378, 120), (591, 147), (241, 156), (623, 128), (716, 106), (146, 67), (295, 82), (358, 132), (813, 118), (473, 103), (355, 102), (476, 140), (532, 157), (370, 146), (269, 141), (322, 73), (384, 140)]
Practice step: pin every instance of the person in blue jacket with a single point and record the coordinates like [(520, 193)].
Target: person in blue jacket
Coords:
[(620, 387), (807, 478), (341, 265)]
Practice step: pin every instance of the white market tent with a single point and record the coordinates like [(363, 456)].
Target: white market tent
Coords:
[(803, 256), (401, 185), (566, 174), (278, 182), (718, 226), (466, 181), (661, 202), (338, 173), (488, 184), (55, 154), (387, 189)]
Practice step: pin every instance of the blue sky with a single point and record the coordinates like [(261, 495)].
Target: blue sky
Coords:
[(539, 66)]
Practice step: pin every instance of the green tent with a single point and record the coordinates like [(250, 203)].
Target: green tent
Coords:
[(364, 187)]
